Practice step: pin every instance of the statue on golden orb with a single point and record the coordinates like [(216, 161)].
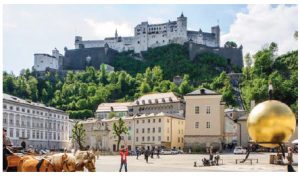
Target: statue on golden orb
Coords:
[(271, 123)]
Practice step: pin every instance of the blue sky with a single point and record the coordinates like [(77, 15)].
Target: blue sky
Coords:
[(30, 29)]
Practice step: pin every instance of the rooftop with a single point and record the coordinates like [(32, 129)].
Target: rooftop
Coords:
[(28, 102), (202, 91), (155, 98), (107, 107)]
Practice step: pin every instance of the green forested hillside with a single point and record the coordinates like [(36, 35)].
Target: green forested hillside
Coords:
[(80, 93)]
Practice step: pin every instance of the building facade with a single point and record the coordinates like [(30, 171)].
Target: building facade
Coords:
[(153, 35), (35, 124), (118, 109), (158, 102), (153, 130), (204, 119), (42, 62)]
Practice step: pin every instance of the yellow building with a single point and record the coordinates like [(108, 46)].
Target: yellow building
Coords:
[(204, 119), (153, 130)]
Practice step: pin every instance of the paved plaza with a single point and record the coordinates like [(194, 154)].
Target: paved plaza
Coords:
[(185, 163)]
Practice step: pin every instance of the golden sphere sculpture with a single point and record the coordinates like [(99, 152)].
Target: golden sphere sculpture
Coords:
[(271, 122)]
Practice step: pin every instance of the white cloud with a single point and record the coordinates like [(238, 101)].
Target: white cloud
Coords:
[(108, 28), (263, 24)]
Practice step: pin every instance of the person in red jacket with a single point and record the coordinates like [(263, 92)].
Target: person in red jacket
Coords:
[(123, 154)]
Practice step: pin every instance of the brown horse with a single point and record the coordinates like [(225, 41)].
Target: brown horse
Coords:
[(85, 159), (30, 163), (61, 162)]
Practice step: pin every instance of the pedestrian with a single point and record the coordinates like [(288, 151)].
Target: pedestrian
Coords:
[(7, 149), (137, 153), (146, 155), (152, 152), (158, 150), (290, 155), (123, 154)]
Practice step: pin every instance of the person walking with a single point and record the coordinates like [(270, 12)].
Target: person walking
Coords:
[(290, 156), (158, 151), (152, 152), (147, 155), (123, 154), (7, 150), (137, 153)]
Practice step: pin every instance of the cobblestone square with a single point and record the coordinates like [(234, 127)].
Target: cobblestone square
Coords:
[(185, 163)]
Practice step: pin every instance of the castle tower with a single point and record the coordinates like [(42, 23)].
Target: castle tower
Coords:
[(182, 27), (78, 40), (116, 34), (216, 30)]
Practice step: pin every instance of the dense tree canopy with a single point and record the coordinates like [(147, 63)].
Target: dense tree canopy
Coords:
[(79, 93)]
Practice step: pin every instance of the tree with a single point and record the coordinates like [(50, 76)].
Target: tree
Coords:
[(185, 86), (119, 128), (230, 44), (78, 134)]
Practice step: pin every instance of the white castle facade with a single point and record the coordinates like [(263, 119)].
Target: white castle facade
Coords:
[(153, 35)]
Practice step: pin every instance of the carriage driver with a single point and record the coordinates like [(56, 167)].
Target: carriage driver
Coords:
[(7, 144)]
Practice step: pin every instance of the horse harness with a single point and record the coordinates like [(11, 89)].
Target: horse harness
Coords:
[(39, 164)]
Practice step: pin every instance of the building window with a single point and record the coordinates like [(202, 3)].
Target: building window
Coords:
[(28, 111), (207, 109), (4, 106), (153, 130), (148, 130), (148, 120), (159, 120), (33, 134), (11, 107), (11, 121), (137, 122), (143, 138), (137, 130), (182, 140), (143, 121), (23, 133), (28, 134), (168, 138), (37, 134), (137, 139), (196, 109), (153, 138), (159, 129), (196, 124), (178, 139), (11, 132), (159, 138), (153, 120), (207, 124), (23, 109), (143, 130), (129, 138), (17, 109), (148, 138)]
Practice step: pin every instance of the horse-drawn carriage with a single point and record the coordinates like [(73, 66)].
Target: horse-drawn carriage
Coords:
[(58, 162)]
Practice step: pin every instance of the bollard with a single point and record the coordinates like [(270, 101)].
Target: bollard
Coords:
[(195, 164)]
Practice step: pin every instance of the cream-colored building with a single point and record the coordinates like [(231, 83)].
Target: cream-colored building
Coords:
[(152, 130), (96, 134), (158, 102), (204, 119), (119, 109)]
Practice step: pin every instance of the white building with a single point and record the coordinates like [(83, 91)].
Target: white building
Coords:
[(35, 124), (119, 110), (45, 61), (153, 35)]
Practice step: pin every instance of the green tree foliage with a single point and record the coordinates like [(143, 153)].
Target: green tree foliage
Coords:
[(230, 44), (78, 134), (281, 70), (119, 128), (222, 85)]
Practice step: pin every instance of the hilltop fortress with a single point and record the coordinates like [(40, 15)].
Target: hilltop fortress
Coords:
[(153, 35), (97, 52)]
